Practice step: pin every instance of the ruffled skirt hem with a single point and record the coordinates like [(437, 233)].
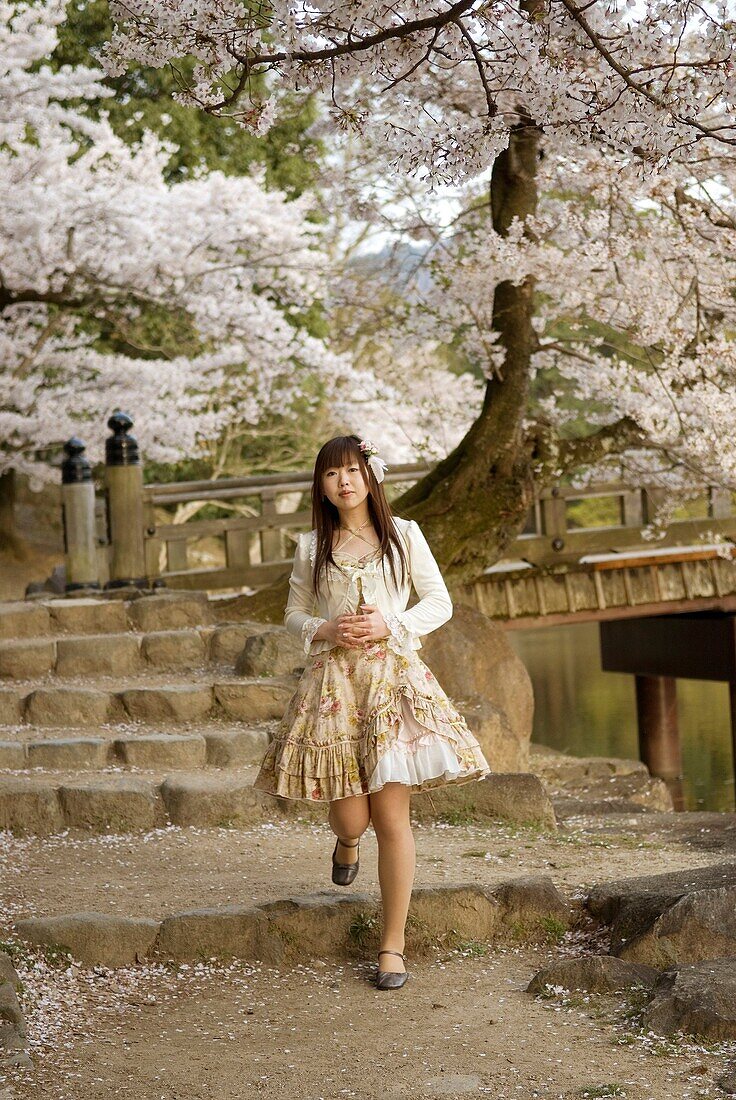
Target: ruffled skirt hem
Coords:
[(419, 741)]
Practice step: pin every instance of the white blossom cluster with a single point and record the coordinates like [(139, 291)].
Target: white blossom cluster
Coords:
[(91, 235), (442, 82), (635, 306)]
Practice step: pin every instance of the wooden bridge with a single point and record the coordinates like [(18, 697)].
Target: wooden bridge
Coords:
[(558, 570), (581, 556), (665, 607)]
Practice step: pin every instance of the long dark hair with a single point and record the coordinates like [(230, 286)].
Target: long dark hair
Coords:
[(344, 450)]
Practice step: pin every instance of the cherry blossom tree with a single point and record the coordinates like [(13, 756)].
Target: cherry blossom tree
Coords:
[(95, 243), (636, 98)]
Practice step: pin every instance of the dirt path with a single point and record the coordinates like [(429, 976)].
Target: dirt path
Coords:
[(177, 868), (459, 1027), (462, 1026)]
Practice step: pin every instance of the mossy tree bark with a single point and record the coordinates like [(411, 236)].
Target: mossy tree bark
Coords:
[(475, 501)]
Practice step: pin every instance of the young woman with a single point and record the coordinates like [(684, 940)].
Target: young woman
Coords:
[(368, 723)]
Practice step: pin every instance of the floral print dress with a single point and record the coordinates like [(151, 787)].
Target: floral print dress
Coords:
[(363, 717)]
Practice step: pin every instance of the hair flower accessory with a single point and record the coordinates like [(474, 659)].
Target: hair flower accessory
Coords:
[(370, 453)]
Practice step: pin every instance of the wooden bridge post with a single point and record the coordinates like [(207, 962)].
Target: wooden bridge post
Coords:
[(124, 477), (732, 701), (271, 549), (659, 737), (78, 515)]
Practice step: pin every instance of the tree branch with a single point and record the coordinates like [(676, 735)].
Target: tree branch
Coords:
[(619, 436), (595, 39)]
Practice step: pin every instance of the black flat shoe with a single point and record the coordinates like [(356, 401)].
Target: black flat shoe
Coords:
[(390, 979), (344, 873)]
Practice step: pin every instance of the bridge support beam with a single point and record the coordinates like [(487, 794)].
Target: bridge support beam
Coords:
[(657, 649), (659, 737)]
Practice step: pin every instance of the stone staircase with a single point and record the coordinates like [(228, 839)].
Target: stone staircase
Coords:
[(125, 715), (128, 715)]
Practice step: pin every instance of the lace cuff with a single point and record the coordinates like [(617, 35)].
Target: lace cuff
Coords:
[(399, 638), (309, 629)]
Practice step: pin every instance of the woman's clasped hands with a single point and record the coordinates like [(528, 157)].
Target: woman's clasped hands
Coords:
[(354, 631)]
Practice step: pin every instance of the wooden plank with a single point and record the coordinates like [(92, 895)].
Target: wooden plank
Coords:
[(200, 528), (237, 548), (724, 573), (630, 561), (633, 508), (609, 614), (701, 578), (642, 589), (600, 594), (271, 549), (614, 588), (167, 492), (524, 594), (696, 646), (671, 586), (176, 557), (720, 504), (212, 579), (555, 593), (581, 588), (614, 540)]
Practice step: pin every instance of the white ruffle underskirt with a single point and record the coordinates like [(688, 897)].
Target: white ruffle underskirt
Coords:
[(418, 756)]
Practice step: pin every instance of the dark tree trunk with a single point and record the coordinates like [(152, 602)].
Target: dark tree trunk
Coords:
[(9, 537), (475, 501)]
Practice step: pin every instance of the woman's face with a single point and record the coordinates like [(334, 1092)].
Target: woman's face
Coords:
[(345, 486)]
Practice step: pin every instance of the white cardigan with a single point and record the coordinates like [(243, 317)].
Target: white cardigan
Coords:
[(304, 614)]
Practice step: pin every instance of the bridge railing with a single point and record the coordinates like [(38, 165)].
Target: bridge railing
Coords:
[(257, 547), (141, 539), (559, 528)]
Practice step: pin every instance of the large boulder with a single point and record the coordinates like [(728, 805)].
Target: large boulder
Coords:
[(503, 796), (490, 726), (636, 793), (12, 1024), (472, 659), (673, 918), (93, 938), (28, 808), (170, 611), (122, 804), (214, 801), (530, 903), (699, 999), (273, 652), (593, 974)]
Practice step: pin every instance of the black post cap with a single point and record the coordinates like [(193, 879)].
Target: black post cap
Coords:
[(75, 467), (121, 449)]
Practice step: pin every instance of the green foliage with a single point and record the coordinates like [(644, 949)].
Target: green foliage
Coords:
[(464, 815), (554, 928), (143, 100), (363, 929)]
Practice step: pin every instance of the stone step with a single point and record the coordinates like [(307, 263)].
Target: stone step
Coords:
[(123, 653), (221, 747), (42, 804), (101, 615), (288, 929), (149, 700)]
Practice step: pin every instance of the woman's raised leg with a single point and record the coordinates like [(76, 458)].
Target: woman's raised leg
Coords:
[(389, 812), (349, 818)]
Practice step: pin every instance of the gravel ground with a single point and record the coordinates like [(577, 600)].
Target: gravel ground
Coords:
[(462, 1025)]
